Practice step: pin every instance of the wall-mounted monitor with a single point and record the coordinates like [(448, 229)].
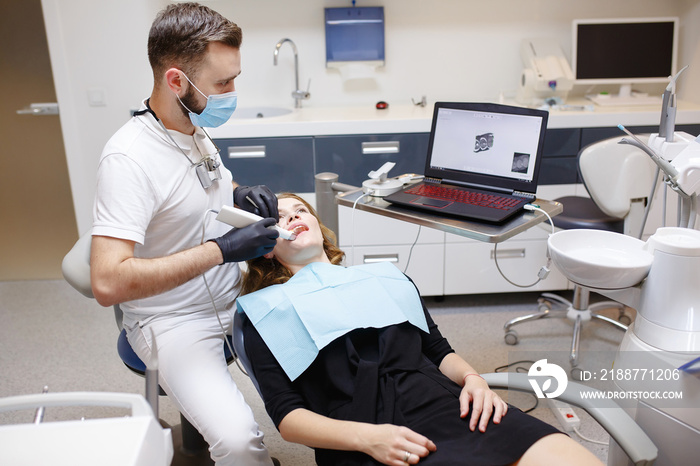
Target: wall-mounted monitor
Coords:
[(624, 51)]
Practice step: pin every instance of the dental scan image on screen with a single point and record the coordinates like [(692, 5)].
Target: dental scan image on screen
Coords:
[(494, 144)]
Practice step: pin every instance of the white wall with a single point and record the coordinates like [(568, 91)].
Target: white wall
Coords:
[(444, 49)]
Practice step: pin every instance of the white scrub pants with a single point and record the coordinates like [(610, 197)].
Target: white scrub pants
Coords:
[(194, 374)]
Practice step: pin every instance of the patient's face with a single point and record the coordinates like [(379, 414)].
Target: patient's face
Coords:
[(308, 245)]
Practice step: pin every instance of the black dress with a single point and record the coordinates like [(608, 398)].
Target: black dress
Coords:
[(390, 375)]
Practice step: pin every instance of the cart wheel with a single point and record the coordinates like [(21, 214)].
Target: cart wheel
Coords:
[(543, 305), (511, 337)]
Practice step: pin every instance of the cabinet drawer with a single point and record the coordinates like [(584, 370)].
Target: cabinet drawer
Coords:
[(471, 269), (367, 229), (353, 157), (426, 265), (283, 164)]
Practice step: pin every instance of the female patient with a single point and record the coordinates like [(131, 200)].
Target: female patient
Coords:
[(394, 394)]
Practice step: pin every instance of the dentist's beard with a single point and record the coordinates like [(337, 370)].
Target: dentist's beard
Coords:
[(190, 101)]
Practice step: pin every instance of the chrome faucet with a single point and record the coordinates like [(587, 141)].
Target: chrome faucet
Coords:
[(297, 93)]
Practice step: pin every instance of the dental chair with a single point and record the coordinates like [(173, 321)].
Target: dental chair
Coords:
[(621, 427), (619, 179), (192, 448)]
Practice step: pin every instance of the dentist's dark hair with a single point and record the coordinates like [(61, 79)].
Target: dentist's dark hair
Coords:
[(180, 34)]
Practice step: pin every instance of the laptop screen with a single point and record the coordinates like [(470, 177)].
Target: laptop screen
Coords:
[(487, 144)]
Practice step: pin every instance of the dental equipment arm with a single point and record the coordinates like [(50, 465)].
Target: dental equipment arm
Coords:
[(667, 126), (682, 174), (621, 427), (664, 164)]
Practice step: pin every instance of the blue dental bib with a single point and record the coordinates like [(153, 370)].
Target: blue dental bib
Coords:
[(322, 302)]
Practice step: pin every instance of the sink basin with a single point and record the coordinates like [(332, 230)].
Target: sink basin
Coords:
[(260, 112), (600, 259)]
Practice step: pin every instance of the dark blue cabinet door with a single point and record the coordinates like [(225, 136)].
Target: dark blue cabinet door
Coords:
[(560, 156), (283, 164), (352, 157)]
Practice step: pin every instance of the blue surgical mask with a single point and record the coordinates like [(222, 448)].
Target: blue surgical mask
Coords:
[(218, 110)]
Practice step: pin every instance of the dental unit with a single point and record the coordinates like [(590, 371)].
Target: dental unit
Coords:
[(660, 279)]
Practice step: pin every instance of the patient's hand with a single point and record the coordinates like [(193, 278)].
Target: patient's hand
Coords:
[(389, 444), (484, 403)]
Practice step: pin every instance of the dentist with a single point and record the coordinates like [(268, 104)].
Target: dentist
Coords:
[(158, 178)]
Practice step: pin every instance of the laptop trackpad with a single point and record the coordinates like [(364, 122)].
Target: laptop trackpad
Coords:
[(431, 202)]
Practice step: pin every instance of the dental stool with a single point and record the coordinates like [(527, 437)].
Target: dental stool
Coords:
[(190, 448), (619, 179), (193, 448)]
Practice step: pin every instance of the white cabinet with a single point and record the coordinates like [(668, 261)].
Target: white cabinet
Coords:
[(367, 237), (446, 264), (470, 266)]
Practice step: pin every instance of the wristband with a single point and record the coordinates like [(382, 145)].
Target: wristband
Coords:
[(464, 380)]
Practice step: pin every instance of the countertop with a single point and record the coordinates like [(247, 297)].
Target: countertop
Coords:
[(319, 121)]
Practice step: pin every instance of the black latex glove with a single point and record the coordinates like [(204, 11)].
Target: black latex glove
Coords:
[(264, 201), (242, 244)]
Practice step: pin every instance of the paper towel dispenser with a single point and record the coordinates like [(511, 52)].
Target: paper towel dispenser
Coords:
[(355, 35)]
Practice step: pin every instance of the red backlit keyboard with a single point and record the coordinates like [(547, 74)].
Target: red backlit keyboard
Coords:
[(466, 197)]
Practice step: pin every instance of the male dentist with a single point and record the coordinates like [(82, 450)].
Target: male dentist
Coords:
[(157, 249)]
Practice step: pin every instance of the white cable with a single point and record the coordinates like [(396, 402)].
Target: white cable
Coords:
[(213, 303), (352, 223), (352, 227), (588, 439), (536, 207), (544, 270), (410, 251)]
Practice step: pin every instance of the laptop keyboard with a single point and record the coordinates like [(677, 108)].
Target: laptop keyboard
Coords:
[(464, 196)]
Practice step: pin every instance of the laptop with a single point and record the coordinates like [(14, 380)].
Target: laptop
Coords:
[(486, 151)]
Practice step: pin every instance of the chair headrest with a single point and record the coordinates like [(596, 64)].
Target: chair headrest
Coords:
[(614, 174)]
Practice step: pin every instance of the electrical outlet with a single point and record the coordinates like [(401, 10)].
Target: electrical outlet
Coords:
[(565, 414)]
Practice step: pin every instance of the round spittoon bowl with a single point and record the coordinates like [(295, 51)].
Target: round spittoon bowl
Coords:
[(600, 259)]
